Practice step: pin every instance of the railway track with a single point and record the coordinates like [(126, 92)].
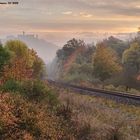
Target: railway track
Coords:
[(117, 96)]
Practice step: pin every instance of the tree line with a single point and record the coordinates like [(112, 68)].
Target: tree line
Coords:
[(111, 61)]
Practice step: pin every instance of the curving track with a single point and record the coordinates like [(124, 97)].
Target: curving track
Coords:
[(117, 96)]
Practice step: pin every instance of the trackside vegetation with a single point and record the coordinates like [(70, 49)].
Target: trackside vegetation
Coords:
[(33, 109)]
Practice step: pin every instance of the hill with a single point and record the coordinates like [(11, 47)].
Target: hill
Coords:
[(44, 49)]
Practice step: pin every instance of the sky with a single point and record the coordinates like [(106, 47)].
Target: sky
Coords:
[(59, 20)]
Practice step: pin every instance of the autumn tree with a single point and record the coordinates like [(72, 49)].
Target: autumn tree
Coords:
[(24, 64), (38, 67), (69, 48), (131, 56), (68, 54), (17, 70), (17, 47), (105, 62), (116, 44)]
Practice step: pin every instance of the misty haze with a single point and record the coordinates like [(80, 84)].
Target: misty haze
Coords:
[(69, 70)]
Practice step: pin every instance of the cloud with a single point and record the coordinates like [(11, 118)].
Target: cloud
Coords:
[(137, 6), (67, 13), (86, 15)]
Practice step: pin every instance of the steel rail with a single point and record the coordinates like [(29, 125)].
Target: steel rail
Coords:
[(118, 96)]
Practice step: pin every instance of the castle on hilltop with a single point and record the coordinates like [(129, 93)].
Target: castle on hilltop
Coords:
[(23, 37), (27, 36)]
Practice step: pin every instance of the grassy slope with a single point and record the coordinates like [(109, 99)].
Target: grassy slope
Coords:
[(102, 119), (25, 120), (74, 117)]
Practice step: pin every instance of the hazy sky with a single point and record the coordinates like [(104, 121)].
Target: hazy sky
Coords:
[(58, 19)]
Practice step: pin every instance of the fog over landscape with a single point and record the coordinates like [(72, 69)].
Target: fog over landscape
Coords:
[(47, 48), (57, 21), (69, 69)]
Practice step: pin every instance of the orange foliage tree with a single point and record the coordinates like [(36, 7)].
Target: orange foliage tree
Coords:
[(17, 70), (24, 64)]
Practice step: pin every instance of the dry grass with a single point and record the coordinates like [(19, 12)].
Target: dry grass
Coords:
[(24, 120), (75, 117), (101, 119)]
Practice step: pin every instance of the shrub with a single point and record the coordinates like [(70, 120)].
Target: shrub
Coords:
[(109, 87), (65, 112), (52, 98), (34, 90), (37, 90), (121, 88), (84, 132), (134, 91), (11, 86), (21, 119)]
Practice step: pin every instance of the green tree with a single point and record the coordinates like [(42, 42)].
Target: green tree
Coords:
[(131, 56), (38, 67), (18, 48), (105, 62), (4, 57)]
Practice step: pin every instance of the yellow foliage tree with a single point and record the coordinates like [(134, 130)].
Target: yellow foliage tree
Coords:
[(105, 62)]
